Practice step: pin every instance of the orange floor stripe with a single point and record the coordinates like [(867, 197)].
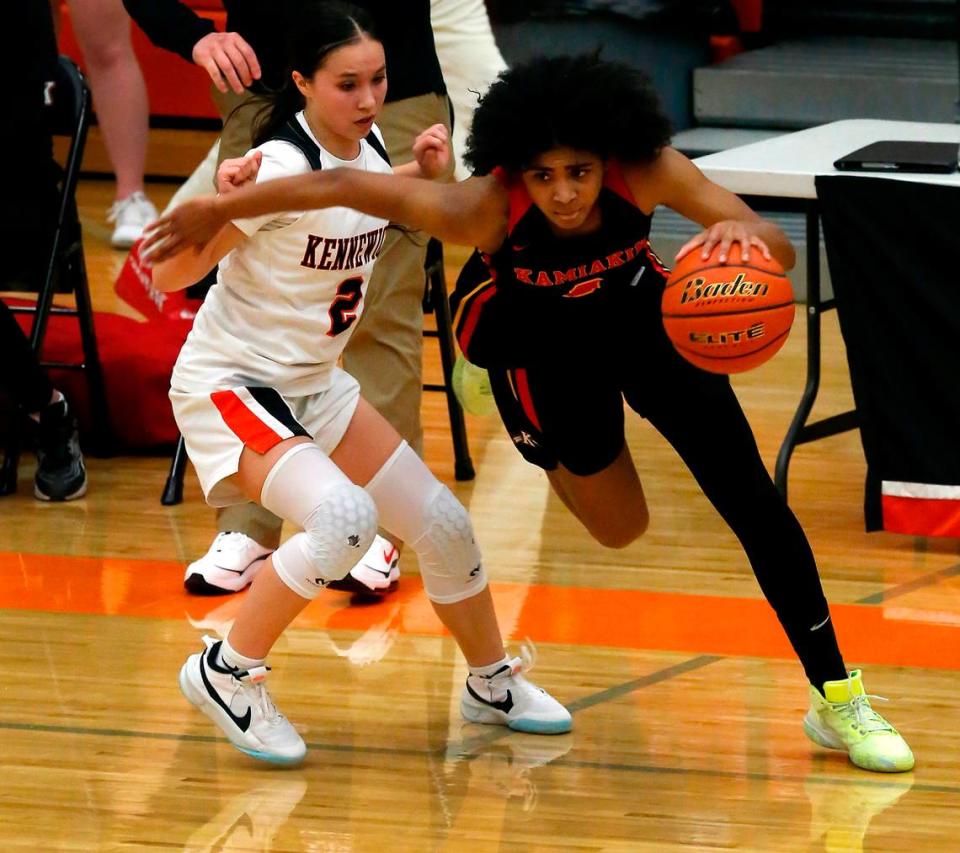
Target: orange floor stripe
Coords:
[(632, 619)]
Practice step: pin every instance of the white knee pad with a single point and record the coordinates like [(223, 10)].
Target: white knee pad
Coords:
[(424, 513), (339, 519)]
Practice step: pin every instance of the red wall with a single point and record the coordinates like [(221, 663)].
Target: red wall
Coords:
[(175, 87)]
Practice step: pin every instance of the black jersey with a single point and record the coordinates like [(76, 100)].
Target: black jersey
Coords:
[(540, 295)]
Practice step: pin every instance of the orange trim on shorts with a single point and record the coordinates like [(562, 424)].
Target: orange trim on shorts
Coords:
[(253, 432)]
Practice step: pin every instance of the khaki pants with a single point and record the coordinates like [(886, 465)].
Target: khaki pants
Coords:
[(385, 351)]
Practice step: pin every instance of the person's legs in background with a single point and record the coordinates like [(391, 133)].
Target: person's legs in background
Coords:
[(120, 100), (470, 60), (201, 179)]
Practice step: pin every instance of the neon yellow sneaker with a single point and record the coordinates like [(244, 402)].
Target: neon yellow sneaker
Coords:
[(471, 384), (843, 719)]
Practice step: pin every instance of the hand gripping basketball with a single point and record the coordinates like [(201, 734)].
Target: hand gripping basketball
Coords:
[(730, 317)]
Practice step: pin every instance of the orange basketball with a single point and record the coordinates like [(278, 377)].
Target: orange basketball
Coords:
[(727, 318)]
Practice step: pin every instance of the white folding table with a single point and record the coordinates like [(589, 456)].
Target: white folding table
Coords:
[(780, 174)]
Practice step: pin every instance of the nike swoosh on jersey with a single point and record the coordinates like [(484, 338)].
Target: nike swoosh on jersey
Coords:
[(505, 705), (242, 723), (637, 277)]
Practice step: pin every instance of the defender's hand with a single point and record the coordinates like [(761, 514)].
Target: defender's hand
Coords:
[(191, 224), (235, 172), (432, 151)]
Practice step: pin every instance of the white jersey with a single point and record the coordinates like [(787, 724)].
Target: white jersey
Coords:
[(288, 297)]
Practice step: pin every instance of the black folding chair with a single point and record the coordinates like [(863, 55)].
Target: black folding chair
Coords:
[(435, 301), (66, 269)]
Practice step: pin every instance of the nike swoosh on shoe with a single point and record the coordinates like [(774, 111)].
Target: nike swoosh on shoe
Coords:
[(242, 723), (505, 705), (386, 573), (239, 571)]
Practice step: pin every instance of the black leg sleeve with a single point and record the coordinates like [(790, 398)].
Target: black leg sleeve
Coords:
[(21, 377), (708, 429)]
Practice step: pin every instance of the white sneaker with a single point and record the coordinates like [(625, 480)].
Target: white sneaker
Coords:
[(230, 565), (130, 216), (506, 698), (238, 702), (377, 573)]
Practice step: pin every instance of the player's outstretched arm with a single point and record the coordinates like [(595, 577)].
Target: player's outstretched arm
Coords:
[(175, 272), (470, 213), (674, 181)]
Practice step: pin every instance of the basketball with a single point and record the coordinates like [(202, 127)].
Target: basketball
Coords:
[(727, 318)]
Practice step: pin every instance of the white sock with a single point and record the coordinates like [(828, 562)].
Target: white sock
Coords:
[(491, 668), (480, 678), (230, 658)]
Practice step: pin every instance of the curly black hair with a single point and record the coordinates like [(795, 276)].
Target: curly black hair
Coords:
[(582, 102)]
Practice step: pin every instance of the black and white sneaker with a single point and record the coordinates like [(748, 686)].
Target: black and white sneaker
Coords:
[(506, 698), (377, 573), (230, 564), (238, 702), (61, 474)]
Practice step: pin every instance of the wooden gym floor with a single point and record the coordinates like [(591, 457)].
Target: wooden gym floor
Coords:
[(687, 701)]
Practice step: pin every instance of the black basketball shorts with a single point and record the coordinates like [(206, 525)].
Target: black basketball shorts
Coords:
[(571, 411)]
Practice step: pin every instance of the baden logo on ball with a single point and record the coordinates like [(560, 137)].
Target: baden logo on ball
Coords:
[(727, 318)]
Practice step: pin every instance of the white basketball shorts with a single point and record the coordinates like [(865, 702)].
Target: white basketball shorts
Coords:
[(217, 425)]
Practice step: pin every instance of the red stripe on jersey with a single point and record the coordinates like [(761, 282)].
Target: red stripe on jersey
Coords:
[(613, 179), (472, 317), (253, 432), (523, 388), (654, 259)]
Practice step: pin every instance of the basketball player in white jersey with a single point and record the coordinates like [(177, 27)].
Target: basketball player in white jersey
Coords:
[(268, 416)]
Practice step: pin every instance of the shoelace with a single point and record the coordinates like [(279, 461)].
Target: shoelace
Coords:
[(255, 692), (514, 666), (868, 720), (528, 655)]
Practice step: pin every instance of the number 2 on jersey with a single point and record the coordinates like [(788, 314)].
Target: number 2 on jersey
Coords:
[(343, 307)]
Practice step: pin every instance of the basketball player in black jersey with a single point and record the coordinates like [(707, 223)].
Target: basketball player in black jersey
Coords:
[(561, 303)]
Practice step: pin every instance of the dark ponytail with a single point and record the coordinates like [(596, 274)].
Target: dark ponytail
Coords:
[(320, 29)]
